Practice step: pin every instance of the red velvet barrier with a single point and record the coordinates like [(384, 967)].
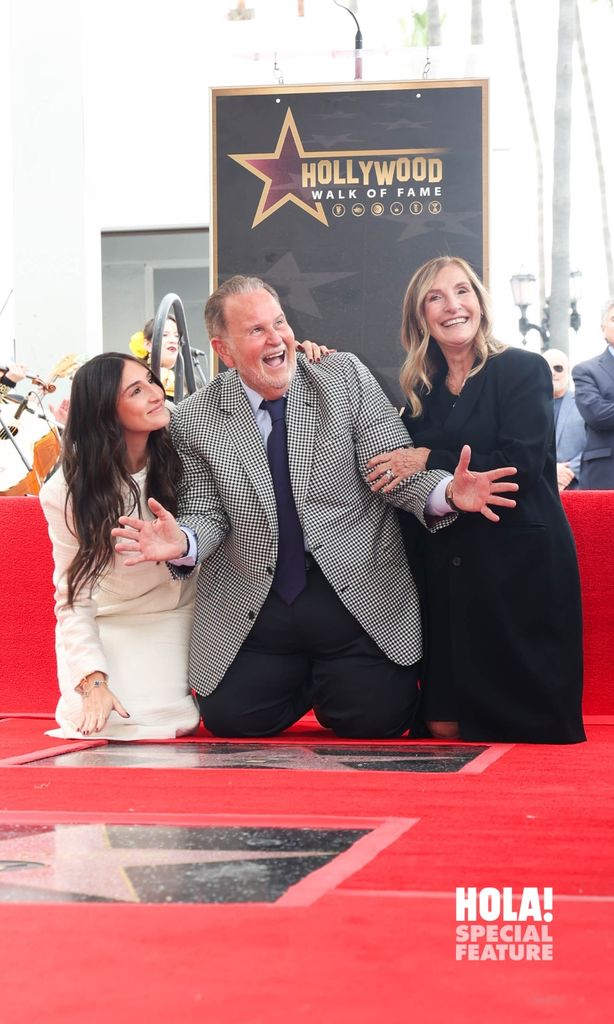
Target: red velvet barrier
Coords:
[(591, 516), (28, 679)]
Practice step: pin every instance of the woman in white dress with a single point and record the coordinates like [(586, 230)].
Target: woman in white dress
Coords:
[(122, 634)]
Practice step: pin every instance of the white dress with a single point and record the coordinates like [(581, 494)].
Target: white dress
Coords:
[(134, 625)]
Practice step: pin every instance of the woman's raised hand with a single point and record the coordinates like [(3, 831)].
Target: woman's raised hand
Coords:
[(475, 492), (144, 540)]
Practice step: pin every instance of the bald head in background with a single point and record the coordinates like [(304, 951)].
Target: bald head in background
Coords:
[(558, 362)]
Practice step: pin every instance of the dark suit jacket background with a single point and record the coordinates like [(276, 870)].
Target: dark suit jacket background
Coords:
[(570, 436), (594, 381), (503, 599)]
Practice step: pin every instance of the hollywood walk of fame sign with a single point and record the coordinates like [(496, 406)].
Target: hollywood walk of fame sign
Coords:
[(335, 194)]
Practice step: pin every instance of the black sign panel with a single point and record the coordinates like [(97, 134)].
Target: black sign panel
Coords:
[(335, 194)]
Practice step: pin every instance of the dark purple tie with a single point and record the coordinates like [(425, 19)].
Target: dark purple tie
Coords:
[(290, 576)]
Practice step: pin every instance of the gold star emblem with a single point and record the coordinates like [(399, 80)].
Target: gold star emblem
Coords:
[(281, 173)]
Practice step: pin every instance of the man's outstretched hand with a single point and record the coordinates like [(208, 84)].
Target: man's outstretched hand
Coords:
[(476, 492), (143, 540)]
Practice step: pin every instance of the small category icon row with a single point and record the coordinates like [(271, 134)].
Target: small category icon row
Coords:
[(396, 208)]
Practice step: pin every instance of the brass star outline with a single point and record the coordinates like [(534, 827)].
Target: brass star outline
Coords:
[(248, 160)]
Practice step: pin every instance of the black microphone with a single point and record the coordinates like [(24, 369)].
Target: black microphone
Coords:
[(23, 405), (197, 352)]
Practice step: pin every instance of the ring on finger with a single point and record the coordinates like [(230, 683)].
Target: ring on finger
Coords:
[(389, 474)]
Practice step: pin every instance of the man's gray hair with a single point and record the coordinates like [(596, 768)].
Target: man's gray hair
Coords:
[(606, 309), (215, 320)]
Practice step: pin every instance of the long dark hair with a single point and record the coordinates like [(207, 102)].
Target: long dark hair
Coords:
[(100, 488)]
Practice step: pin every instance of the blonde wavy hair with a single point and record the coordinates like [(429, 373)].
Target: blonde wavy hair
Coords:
[(420, 366)]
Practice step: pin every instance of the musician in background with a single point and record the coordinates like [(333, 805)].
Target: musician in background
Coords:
[(33, 427), (11, 376), (34, 448), (141, 344)]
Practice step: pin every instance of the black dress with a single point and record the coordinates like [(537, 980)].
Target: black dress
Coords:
[(502, 600)]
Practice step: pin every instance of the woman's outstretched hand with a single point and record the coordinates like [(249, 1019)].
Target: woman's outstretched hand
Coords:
[(144, 540), (476, 492)]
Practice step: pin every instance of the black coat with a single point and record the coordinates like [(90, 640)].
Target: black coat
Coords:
[(502, 600)]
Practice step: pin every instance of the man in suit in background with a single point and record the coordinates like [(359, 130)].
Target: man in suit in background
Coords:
[(305, 599), (594, 381), (570, 431)]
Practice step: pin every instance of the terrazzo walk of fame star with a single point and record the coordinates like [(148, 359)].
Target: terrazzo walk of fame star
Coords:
[(395, 757), (101, 863)]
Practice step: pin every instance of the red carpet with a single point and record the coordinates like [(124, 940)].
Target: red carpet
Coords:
[(379, 944), (344, 962)]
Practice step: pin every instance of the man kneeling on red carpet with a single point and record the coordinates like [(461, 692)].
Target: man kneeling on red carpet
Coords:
[(304, 596)]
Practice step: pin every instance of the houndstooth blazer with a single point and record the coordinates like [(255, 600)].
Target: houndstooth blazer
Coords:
[(337, 419)]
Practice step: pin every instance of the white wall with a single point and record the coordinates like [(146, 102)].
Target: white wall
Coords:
[(56, 242), (7, 266)]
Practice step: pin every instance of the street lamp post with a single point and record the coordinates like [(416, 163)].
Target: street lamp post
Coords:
[(523, 291), (575, 294)]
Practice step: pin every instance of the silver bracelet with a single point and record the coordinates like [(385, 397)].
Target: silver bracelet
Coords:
[(91, 685), (449, 497)]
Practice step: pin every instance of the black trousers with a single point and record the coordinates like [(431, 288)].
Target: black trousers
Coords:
[(313, 654)]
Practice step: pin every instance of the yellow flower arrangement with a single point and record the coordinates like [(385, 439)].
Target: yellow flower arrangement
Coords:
[(137, 345)]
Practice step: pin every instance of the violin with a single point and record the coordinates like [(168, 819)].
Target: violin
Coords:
[(48, 388)]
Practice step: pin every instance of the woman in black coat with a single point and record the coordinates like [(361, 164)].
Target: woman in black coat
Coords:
[(502, 599)]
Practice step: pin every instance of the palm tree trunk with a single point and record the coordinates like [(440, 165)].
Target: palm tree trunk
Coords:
[(477, 28), (434, 22), (561, 188), (605, 218), (539, 163)]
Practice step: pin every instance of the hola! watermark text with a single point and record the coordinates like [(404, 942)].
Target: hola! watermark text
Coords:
[(493, 924)]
